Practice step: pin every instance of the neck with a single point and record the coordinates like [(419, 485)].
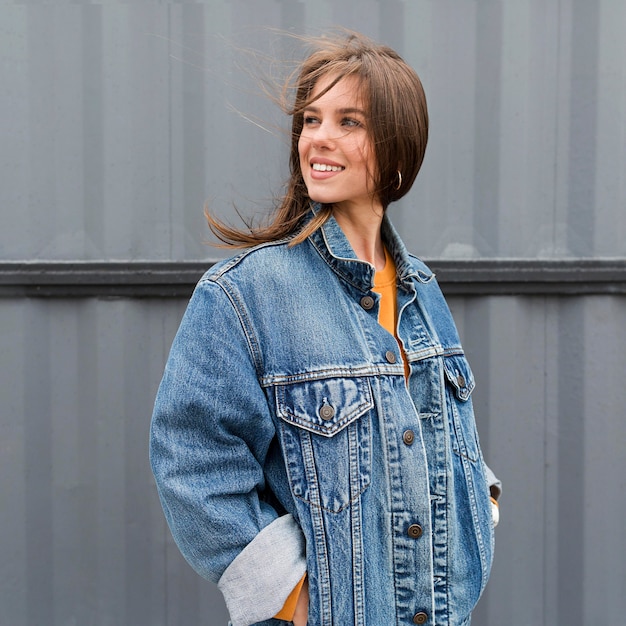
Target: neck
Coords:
[(362, 230)]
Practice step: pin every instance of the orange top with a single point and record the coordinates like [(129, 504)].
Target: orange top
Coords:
[(385, 286)]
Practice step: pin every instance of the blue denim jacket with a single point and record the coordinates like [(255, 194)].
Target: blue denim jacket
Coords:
[(285, 439)]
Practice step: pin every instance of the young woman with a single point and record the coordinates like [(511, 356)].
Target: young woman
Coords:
[(313, 439)]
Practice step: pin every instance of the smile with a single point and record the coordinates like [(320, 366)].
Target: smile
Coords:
[(322, 167)]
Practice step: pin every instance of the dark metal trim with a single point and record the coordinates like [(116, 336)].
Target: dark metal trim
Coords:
[(560, 277), (172, 279), (77, 279)]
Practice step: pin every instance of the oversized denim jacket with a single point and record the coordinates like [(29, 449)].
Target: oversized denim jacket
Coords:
[(285, 439)]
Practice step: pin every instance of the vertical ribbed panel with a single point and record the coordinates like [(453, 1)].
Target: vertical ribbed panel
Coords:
[(118, 121), (550, 405), (85, 541)]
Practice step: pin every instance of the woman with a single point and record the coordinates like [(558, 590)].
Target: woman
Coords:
[(313, 439)]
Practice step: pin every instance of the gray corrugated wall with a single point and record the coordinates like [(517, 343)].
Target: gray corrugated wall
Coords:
[(118, 121)]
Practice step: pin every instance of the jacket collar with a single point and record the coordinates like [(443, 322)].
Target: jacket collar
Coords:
[(334, 247)]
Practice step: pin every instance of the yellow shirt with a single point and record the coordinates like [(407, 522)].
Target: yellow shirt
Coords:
[(385, 286)]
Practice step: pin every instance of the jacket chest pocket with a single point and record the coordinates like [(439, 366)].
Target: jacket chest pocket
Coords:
[(460, 384), (326, 438)]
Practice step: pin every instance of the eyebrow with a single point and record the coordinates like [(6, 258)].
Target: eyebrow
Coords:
[(345, 111)]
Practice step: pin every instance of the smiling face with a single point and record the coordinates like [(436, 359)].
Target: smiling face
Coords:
[(336, 156)]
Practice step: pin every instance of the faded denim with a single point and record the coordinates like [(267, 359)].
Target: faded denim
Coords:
[(285, 439)]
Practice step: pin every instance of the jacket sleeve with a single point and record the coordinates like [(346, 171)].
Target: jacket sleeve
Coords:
[(210, 433)]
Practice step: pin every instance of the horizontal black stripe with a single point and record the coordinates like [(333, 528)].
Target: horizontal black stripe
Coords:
[(171, 279)]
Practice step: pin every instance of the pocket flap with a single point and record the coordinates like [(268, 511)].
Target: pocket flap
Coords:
[(459, 375), (324, 406)]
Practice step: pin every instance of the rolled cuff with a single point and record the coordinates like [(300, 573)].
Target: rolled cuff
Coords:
[(495, 485), (258, 582)]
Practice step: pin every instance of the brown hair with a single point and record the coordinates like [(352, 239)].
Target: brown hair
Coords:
[(398, 128)]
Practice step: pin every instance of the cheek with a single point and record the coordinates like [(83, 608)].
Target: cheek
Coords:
[(364, 156), (369, 159), (303, 146)]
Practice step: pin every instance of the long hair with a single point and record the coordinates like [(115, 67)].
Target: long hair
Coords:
[(397, 125)]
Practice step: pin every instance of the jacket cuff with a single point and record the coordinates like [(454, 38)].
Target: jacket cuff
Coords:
[(495, 485), (258, 582)]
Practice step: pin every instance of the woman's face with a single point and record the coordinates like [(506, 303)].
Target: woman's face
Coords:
[(336, 155)]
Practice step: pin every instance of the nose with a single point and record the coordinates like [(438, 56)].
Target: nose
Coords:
[(322, 137)]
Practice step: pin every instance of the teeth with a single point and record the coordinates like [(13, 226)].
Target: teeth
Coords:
[(322, 167)]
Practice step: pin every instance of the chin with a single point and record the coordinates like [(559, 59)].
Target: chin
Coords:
[(323, 198)]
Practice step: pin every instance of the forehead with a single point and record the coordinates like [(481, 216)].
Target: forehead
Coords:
[(347, 93)]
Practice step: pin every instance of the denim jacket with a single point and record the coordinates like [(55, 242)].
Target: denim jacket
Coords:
[(285, 439)]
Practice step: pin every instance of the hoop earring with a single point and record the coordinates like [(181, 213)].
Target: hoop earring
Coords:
[(397, 187)]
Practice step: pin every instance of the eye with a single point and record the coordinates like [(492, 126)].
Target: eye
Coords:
[(309, 120), (350, 122)]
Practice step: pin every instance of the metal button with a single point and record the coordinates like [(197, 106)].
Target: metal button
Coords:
[(367, 302), (461, 380), (408, 437), (420, 618), (390, 356), (327, 412), (414, 531)]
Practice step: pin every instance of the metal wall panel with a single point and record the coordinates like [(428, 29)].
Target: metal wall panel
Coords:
[(84, 539), (550, 405), (119, 120)]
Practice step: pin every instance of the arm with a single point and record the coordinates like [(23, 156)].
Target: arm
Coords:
[(210, 433)]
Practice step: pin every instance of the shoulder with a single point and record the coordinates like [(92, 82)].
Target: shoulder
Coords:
[(433, 300), (262, 258), (420, 267), (274, 268)]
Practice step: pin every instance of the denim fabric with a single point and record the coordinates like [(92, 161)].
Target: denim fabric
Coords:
[(286, 439)]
